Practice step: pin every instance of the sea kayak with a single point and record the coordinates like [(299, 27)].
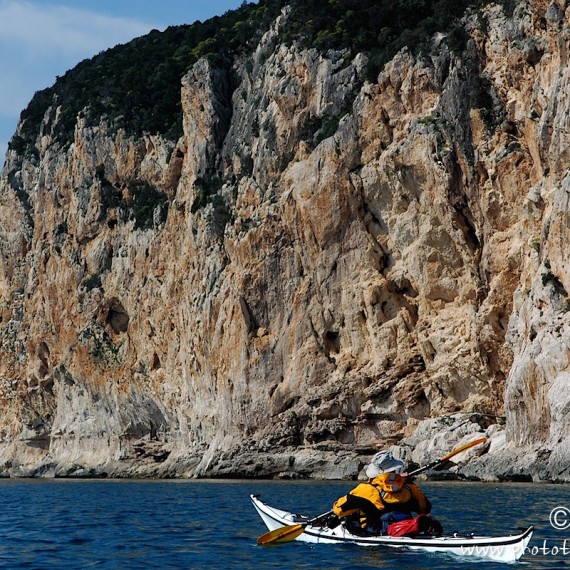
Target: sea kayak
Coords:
[(498, 548)]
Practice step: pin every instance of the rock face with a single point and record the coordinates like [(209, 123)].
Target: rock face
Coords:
[(321, 266)]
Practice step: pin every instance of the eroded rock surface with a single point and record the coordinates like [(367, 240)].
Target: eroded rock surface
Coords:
[(320, 267)]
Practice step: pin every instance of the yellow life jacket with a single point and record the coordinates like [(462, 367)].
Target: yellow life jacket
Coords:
[(386, 492), (392, 488)]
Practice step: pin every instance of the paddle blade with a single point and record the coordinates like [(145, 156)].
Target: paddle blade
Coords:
[(438, 462), (463, 448), (282, 534)]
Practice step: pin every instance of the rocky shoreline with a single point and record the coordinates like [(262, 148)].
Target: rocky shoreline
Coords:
[(492, 461)]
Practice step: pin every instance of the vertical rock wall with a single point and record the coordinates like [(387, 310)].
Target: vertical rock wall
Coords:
[(319, 267)]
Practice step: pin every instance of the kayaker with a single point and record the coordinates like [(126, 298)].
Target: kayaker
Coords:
[(386, 497)]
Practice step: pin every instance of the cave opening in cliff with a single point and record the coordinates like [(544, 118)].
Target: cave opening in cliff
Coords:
[(155, 365), (332, 342), (117, 316)]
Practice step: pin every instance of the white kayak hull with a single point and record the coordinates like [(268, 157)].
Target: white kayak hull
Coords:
[(497, 548)]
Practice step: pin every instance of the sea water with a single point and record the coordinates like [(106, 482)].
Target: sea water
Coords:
[(78, 524)]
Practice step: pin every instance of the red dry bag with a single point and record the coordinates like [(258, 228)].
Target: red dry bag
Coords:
[(418, 525)]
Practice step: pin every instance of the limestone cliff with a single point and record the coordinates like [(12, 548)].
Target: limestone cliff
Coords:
[(320, 266)]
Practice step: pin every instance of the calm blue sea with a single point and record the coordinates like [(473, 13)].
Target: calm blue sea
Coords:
[(75, 524)]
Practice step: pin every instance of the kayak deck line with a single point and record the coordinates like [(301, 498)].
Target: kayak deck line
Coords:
[(507, 548)]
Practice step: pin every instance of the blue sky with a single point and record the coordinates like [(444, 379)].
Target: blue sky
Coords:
[(42, 39)]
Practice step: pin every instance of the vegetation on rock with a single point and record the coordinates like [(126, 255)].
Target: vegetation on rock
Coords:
[(136, 86)]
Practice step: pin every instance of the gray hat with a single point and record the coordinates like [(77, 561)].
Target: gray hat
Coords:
[(384, 462)]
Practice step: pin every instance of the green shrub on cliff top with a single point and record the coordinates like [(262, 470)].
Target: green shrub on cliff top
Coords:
[(378, 28), (136, 86)]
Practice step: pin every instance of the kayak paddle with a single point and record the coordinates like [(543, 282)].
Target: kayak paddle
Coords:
[(448, 456), (289, 533)]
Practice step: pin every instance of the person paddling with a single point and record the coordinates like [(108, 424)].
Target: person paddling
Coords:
[(387, 497)]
